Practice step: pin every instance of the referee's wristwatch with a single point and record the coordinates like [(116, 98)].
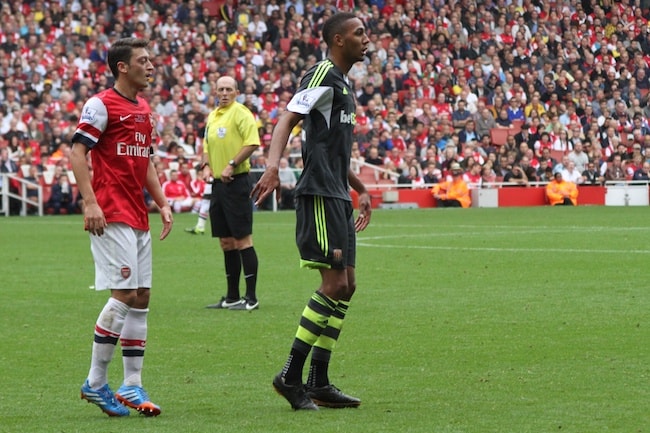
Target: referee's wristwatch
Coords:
[(232, 163)]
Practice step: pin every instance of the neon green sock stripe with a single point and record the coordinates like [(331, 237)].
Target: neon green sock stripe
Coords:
[(328, 338), (305, 336), (325, 343), (315, 317)]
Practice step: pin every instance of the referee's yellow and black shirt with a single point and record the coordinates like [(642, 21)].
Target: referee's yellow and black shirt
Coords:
[(227, 130)]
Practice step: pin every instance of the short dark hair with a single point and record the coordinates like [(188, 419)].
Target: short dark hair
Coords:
[(334, 25), (122, 50)]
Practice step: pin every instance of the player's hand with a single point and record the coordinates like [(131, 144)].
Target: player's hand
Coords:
[(94, 219), (269, 182), (365, 211), (167, 220)]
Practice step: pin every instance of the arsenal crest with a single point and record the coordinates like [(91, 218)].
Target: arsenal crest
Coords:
[(126, 272)]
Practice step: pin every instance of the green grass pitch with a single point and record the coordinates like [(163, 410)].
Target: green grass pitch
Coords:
[(509, 320)]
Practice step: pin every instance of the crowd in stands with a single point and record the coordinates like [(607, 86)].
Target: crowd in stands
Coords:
[(511, 90)]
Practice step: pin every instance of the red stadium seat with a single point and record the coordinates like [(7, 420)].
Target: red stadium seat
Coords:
[(213, 7), (499, 136), (285, 45)]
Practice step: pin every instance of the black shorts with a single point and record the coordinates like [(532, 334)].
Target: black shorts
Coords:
[(325, 232), (231, 208)]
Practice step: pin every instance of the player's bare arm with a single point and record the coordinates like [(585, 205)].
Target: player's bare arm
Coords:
[(156, 192), (94, 219), (270, 180), (365, 208)]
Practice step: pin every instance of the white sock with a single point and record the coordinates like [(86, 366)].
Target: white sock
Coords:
[(203, 214), (133, 341), (200, 224), (107, 331)]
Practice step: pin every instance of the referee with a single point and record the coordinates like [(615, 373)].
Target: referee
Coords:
[(231, 137)]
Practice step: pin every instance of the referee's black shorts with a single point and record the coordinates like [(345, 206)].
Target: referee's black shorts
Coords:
[(325, 232), (231, 208)]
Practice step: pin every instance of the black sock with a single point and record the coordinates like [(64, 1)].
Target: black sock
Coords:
[(232, 262), (322, 350), (250, 264), (318, 375), (312, 323), (292, 370)]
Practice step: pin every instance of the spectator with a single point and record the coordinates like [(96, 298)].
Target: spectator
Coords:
[(515, 176), (460, 116), (394, 157), (484, 120), (592, 175), (432, 174), (33, 176), (9, 166), (515, 111), (403, 177), (468, 132), (177, 194), (544, 142), (454, 192), (201, 188), (615, 171), (185, 174), (393, 82), (488, 176), (369, 92), (62, 197), (473, 176), (632, 166), (643, 173), (562, 142), (561, 192), (415, 177), (559, 166), (571, 174), (524, 135), (503, 120), (530, 172), (545, 174), (287, 184), (579, 157), (373, 157)]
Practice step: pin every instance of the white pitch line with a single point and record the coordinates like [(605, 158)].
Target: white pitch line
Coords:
[(494, 249), (439, 232), (508, 228), (514, 250)]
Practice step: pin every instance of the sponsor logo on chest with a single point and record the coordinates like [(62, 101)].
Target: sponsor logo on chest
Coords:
[(348, 118), (124, 149), (139, 149)]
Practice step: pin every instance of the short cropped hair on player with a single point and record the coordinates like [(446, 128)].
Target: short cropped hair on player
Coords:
[(122, 50), (335, 25)]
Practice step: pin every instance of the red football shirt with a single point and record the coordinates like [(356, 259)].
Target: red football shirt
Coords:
[(119, 132)]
